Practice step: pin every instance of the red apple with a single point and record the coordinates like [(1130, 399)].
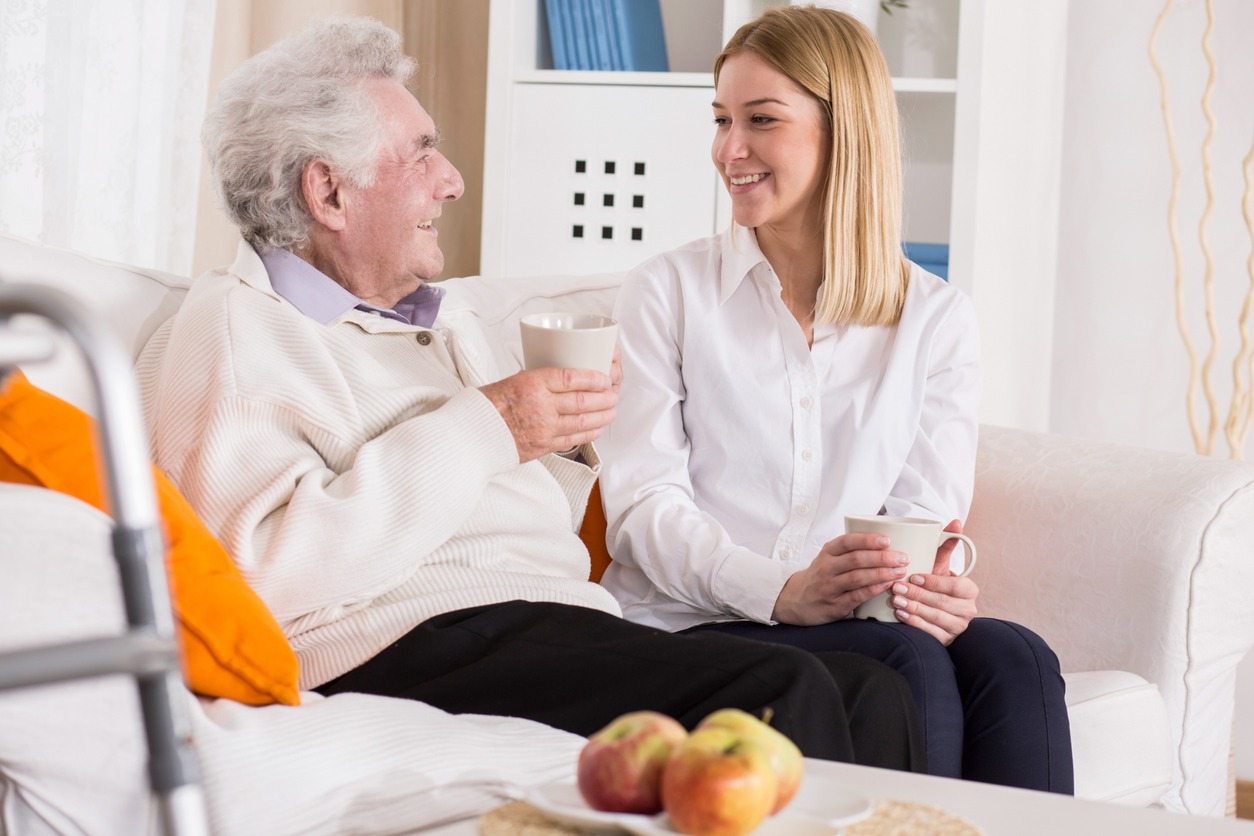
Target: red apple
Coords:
[(784, 755), (718, 783), (620, 767)]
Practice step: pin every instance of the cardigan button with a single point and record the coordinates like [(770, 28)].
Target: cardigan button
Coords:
[(424, 338)]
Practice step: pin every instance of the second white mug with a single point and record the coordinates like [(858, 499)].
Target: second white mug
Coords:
[(917, 538)]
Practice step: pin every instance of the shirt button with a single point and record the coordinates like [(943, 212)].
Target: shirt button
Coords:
[(424, 338), (803, 509), (807, 402), (785, 553), (806, 455)]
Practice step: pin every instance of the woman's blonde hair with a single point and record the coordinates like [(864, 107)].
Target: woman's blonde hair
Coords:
[(836, 59)]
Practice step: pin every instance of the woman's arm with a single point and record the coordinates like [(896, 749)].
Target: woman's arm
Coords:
[(937, 479), (654, 524)]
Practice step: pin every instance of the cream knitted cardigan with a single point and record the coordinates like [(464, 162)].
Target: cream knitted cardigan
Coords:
[(360, 480)]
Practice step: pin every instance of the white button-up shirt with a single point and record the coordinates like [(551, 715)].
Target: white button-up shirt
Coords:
[(737, 449)]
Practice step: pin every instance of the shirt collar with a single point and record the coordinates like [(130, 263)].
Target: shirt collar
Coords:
[(324, 300), (741, 255)]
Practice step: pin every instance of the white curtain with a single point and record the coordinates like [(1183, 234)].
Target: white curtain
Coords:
[(100, 112)]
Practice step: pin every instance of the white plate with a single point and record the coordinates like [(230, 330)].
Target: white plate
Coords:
[(822, 806)]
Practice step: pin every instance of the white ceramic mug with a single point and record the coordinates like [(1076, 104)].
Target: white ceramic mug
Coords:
[(568, 341), (915, 537)]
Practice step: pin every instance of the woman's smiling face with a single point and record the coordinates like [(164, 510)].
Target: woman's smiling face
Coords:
[(770, 145)]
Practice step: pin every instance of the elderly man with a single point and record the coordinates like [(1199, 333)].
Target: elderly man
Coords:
[(410, 519)]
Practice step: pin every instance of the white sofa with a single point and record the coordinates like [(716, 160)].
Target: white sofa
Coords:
[(1131, 563)]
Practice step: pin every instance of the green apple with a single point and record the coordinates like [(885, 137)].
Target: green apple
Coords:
[(620, 767), (718, 783), (784, 755)]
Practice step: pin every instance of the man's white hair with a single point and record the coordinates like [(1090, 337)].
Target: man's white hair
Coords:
[(301, 99)]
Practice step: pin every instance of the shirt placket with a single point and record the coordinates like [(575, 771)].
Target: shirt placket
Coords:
[(806, 451)]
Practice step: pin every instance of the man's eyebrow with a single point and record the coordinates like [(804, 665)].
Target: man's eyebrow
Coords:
[(753, 102), (428, 141)]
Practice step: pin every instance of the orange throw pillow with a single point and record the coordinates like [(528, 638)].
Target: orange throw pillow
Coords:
[(232, 646)]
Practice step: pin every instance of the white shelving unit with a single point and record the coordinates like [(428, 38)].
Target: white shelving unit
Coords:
[(980, 86), (551, 205)]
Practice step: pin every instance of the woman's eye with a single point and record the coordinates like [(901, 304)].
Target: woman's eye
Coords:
[(721, 120), (762, 120)]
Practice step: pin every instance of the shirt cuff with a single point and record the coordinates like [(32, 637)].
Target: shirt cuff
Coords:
[(752, 580)]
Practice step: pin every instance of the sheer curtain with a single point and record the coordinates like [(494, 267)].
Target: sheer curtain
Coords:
[(100, 112)]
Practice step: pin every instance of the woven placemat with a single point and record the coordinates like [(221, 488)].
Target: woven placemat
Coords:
[(518, 818), (906, 818), (891, 818)]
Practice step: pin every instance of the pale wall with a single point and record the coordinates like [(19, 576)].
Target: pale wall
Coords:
[(1120, 370)]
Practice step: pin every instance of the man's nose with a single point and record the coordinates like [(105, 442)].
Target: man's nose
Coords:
[(451, 185)]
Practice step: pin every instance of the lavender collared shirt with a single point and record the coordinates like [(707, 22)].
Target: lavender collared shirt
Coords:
[(322, 299)]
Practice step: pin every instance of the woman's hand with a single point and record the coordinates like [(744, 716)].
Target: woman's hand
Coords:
[(940, 604), (849, 570)]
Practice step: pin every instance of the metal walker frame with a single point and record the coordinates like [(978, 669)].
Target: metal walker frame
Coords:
[(148, 650)]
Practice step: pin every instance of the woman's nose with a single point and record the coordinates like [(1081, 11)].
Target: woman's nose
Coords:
[(730, 146)]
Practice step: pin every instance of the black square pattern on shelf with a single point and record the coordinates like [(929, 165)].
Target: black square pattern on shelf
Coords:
[(605, 215)]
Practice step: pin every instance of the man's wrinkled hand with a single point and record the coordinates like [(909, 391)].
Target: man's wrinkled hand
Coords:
[(548, 410)]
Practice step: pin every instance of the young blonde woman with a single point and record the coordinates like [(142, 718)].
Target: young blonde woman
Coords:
[(795, 369)]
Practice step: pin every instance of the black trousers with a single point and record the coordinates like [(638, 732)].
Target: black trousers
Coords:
[(577, 669), (992, 703)]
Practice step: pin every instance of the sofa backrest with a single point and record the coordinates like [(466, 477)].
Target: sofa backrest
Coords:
[(498, 304), (132, 300), (136, 301)]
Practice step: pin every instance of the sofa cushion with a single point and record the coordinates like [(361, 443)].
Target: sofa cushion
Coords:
[(232, 646), (133, 302), (1120, 736)]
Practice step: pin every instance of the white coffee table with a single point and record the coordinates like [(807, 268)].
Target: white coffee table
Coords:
[(1000, 810), (1015, 812)]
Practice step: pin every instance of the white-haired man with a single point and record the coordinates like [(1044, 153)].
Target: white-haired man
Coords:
[(409, 518)]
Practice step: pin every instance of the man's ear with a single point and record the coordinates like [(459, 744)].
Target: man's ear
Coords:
[(321, 188)]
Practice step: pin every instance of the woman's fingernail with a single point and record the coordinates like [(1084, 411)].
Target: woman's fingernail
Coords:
[(882, 541), (899, 571), (900, 588), (902, 615), (903, 559), (917, 579)]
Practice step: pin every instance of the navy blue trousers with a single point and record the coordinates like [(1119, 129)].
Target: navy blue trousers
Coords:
[(991, 704)]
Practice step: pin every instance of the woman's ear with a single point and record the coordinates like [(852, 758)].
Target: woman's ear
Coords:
[(321, 187)]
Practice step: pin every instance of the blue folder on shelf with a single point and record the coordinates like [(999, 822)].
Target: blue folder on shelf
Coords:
[(559, 39), (606, 35), (638, 31), (933, 258), (580, 34)]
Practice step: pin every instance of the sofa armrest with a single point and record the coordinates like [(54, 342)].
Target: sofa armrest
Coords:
[(1130, 559)]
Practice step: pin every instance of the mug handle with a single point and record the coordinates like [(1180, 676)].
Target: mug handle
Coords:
[(970, 562)]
